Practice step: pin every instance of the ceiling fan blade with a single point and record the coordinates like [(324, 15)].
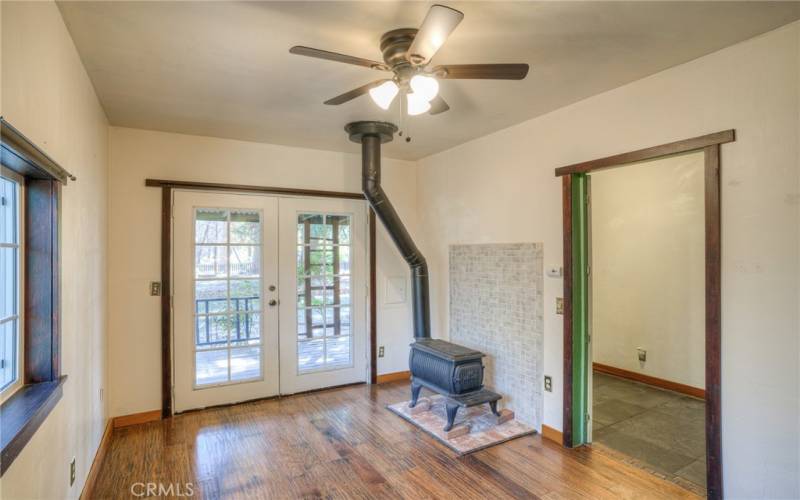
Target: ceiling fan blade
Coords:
[(437, 26), (349, 96), (438, 105), (334, 56), (481, 71)]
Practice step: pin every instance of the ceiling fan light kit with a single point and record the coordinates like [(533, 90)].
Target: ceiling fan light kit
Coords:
[(384, 94), (407, 53), (417, 104)]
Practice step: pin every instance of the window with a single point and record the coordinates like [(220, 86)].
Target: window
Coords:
[(323, 292), (227, 296), (31, 382), (10, 280)]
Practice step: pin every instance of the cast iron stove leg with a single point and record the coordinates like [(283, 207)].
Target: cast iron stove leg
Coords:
[(415, 388), (493, 406), (451, 416)]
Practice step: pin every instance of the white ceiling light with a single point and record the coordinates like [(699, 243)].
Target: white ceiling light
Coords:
[(417, 104), (384, 94), (424, 86)]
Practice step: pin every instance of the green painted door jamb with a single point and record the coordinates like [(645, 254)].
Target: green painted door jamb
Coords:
[(580, 308)]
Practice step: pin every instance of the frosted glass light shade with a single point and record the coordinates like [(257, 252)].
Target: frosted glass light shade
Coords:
[(417, 104), (424, 86), (384, 94)]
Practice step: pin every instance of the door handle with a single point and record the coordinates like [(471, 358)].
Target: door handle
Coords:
[(273, 302)]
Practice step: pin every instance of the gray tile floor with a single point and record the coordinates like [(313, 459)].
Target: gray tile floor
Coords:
[(661, 429)]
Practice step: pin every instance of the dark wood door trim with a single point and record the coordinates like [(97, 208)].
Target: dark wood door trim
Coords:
[(713, 322), (373, 301), (167, 190), (710, 145), (684, 146), (166, 302), (213, 186), (566, 196)]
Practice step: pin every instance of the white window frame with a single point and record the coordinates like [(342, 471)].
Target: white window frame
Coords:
[(9, 390)]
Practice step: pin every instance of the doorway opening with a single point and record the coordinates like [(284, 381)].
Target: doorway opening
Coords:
[(579, 319), (646, 325)]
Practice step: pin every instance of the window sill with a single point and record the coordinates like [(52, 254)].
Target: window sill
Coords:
[(22, 414)]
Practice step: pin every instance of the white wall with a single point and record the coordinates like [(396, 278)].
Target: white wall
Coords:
[(135, 235), (648, 267), (47, 95), (501, 188)]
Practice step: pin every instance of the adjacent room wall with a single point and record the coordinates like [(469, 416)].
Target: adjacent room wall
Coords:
[(47, 95), (648, 268), (135, 236), (501, 188)]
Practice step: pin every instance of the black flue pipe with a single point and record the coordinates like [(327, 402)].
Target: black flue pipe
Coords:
[(371, 135)]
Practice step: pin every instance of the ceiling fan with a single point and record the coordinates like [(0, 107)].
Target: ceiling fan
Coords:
[(407, 53)]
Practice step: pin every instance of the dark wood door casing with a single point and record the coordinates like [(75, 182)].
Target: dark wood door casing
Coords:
[(710, 145)]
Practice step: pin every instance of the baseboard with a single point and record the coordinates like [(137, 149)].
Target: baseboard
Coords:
[(552, 434), (647, 379), (394, 377), (97, 463), (137, 418)]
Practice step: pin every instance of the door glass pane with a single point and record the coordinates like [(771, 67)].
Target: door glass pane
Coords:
[(323, 287), (227, 323), (245, 227), (211, 367), (211, 226), (245, 363)]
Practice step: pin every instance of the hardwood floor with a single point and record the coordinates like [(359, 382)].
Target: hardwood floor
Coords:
[(343, 443)]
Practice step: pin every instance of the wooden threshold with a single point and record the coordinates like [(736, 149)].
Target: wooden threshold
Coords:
[(97, 463), (650, 380), (137, 418), (394, 377)]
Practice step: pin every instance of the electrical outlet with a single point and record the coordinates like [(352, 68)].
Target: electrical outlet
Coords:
[(548, 383), (380, 351), (155, 288), (72, 472), (559, 305), (642, 355)]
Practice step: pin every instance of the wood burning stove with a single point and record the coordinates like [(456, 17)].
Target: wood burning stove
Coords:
[(452, 370), (449, 369)]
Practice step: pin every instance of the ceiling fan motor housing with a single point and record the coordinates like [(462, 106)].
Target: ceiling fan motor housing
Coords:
[(394, 46)]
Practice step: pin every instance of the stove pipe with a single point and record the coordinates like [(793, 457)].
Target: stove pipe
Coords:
[(371, 135)]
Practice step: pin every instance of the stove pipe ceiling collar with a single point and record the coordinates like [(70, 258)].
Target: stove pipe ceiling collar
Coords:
[(371, 135)]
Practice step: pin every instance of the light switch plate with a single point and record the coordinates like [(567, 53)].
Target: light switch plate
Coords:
[(155, 288), (559, 305)]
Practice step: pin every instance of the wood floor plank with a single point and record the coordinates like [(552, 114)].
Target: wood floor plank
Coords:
[(343, 443)]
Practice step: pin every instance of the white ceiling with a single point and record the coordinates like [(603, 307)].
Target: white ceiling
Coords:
[(223, 69)]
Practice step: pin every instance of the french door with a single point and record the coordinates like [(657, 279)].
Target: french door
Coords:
[(323, 294), (268, 296)]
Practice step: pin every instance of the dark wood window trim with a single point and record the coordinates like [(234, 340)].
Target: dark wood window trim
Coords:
[(25, 410), (710, 145), (167, 187)]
